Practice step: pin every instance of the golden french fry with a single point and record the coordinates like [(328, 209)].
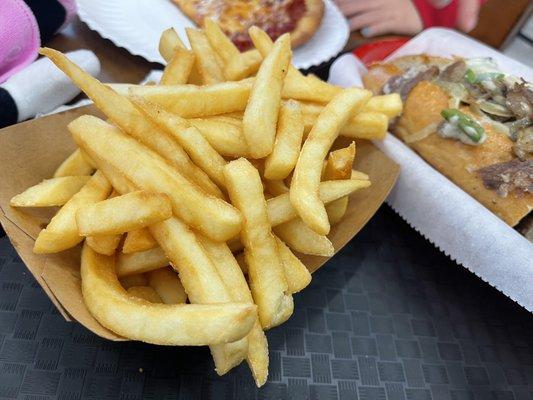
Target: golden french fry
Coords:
[(178, 68), (142, 261), (133, 280), (120, 110), (389, 104), (219, 42), (146, 170), (200, 279), (336, 209), (50, 192), (265, 270), (306, 179), (303, 239), (290, 130), (165, 324), (190, 101), (233, 277), (275, 188), (206, 61), (280, 209), (138, 240), (168, 43), (124, 213), (62, 231), (261, 114), (74, 165), (145, 292), (167, 285), (339, 166), (245, 65), (224, 135), (106, 245), (189, 137), (297, 274), (296, 85), (367, 125), (359, 175)]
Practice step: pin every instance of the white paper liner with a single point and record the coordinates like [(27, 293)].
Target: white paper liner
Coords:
[(443, 213), (136, 25)]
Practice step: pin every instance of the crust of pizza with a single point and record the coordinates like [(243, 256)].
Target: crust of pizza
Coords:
[(309, 23), (304, 30)]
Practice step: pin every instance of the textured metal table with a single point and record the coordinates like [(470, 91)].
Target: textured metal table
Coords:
[(390, 317)]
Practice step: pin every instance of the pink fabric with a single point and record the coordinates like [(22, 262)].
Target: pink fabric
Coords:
[(71, 10), (19, 37)]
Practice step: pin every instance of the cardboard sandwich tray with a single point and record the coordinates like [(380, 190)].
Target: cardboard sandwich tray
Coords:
[(31, 151)]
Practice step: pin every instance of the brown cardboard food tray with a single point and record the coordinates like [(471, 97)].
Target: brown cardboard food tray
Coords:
[(31, 151)]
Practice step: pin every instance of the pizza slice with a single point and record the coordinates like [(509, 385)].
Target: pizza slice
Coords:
[(299, 17)]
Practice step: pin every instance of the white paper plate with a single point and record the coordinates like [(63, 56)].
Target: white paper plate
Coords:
[(137, 24)]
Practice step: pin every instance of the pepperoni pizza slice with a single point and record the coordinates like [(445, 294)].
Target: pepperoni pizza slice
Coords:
[(299, 17)]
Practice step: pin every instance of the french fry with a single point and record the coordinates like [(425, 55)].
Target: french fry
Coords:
[(261, 114), (50, 192), (200, 279), (135, 210), (119, 182), (189, 137), (303, 239), (247, 64), (178, 68), (290, 130), (146, 170), (120, 110), (389, 104), (359, 175), (265, 270), (167, 285), (145, 292), (339, 166), (367, 125), (140, 262), (168, 43), (233, 278), (275, 187), (224, 135), (138, 240), (297, 274), (62, 231), (190, 101), (296, 85), (74, 165), (306, 179), (206, 61), (106, 244), (133, 280), (280, 209), (165, 324), (219, 42)]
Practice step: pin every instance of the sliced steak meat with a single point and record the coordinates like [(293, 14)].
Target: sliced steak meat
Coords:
[(454, 72), (508, 176), (403, 84), (519, 100)]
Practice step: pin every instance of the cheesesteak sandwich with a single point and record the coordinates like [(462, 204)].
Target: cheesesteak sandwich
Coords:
[(471, 122)]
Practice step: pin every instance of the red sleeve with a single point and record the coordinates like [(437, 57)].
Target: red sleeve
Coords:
[(433, 16)]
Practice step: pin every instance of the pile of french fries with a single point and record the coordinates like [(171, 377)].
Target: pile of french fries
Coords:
[(193, 195)]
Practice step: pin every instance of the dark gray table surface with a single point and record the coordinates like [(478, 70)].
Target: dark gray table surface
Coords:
[(389, 317)]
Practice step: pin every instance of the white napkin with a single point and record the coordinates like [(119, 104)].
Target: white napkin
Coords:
[(449, 218), (42, 87)]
